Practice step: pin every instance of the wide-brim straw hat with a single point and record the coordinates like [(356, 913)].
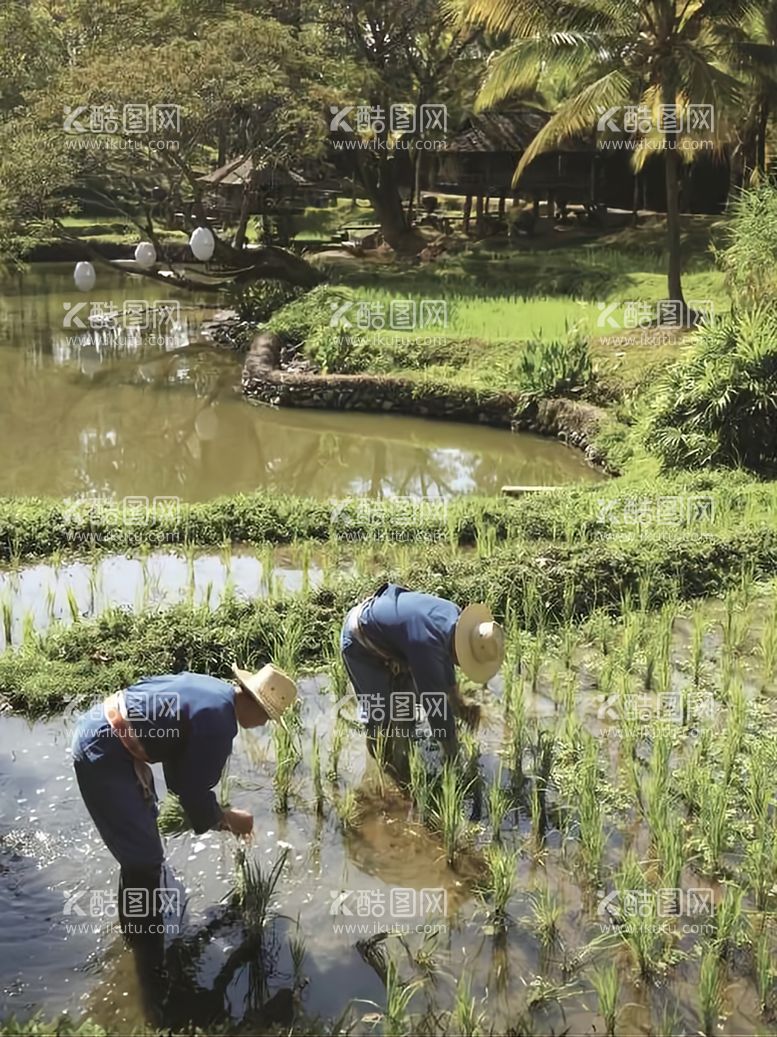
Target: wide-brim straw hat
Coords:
[(273, 689), (479, 643)]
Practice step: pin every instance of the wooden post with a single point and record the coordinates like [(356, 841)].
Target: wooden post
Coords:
[(467, 213)]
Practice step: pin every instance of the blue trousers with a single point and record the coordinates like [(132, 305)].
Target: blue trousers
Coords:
[(114, 797)]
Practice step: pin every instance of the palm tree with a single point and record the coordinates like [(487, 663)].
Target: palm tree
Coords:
[(618, 53), (754, 58)]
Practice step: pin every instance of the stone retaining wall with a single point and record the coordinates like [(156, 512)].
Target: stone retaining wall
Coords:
[(572, 421)]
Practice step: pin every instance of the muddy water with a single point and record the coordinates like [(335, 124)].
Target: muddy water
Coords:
[(153, 411), (53, 956), (40, 595)]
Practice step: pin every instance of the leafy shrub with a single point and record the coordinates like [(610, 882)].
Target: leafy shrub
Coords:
[(339, 351), (750, 260), (553, 368), (257, 302), (312, 311), (719, 406)]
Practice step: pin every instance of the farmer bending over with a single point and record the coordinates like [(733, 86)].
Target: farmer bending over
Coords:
[(400, 648), (187, 722)]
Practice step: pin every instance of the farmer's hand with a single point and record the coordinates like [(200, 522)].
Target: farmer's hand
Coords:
[(241, 822)]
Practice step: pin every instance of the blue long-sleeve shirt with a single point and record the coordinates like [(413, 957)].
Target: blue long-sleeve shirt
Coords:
[(187, 722), (417, 630)]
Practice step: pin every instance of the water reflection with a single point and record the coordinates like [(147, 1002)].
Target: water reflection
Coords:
[(143, 406)]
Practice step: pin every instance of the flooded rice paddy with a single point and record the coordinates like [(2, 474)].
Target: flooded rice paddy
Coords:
[(150, 408), (596, 771), (32, 598)]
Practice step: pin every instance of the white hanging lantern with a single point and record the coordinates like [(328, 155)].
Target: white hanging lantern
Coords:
[(202, 244), (84, 276), (145, 255)]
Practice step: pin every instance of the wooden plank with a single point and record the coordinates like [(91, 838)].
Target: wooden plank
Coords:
[(518, 491)]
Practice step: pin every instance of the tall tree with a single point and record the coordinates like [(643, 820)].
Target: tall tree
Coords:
[(242, 82), (663, 54), (393, 53)]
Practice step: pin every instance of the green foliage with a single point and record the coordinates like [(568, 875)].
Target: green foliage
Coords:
[(554, 368), (337, 350), (309, 313), (259, 300), (718, 406), (172, 819), (750, 259)]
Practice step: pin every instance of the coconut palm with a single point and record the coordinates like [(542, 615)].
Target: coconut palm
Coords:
[(754, 58), (618, 53)]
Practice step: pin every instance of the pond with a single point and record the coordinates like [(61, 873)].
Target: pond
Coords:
[(150, 409)]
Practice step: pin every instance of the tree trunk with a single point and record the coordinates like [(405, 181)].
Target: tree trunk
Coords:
[(672, 170), (763, 124), (245, 212), (379, 179)]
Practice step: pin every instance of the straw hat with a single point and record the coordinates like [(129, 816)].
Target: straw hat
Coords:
[(271, 687), (479, 643)]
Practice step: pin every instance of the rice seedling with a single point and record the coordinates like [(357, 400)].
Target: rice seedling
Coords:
[(6, 608), (348, 809), (545, 916), (304, 559), (172, 819), (768, 645), (420, 787), (28, 627), (600, 630), (51, 598), (606, 983), (498, 804), (335, 667), (734, 623), (499, 881), (590, 815), (641, 929), (698, 632), (543, 991), (535, 659), (297, 953), (266, 558), (713, 821), (539, 821), (711, 992), (339, 737), (645, 591), (398, 997), (253, 889), (315, 764), (380, 757), (764, 972), (729, 921), (485, 538), (287, 756), (465, 1018), (72, 604), (286, 644), (669, 1022), (447, 812)]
